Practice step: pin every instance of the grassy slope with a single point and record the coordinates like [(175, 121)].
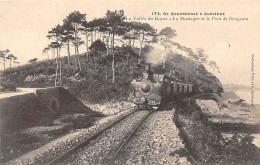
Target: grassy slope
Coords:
[(90, 84)]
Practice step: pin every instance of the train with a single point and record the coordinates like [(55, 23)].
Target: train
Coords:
[(150, 89)]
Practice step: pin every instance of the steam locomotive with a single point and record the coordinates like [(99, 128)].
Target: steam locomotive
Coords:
[(150, 88)]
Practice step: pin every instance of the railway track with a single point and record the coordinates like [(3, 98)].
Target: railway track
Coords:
[(112, 159), (84, 143)]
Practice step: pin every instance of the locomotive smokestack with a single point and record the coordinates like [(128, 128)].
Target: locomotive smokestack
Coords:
[(148, 67)]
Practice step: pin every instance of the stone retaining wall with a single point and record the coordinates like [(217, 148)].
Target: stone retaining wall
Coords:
[(20, 111)]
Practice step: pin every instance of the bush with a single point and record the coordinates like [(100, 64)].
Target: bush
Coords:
[(232, 149), (98, 46), (7, 86)]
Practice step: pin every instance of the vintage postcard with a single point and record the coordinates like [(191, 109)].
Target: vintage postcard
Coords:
[(129, 82)]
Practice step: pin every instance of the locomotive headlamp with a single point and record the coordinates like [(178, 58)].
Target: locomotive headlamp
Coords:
[(142, 99)]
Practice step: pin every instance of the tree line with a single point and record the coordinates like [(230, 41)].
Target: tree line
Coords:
[(6, 56), (111, 30)]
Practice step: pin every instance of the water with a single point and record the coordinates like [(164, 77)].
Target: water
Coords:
[(256, 140), (246, 95)]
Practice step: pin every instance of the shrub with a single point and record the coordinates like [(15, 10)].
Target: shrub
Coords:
[(7, 86), (98, 46), (233, 148)]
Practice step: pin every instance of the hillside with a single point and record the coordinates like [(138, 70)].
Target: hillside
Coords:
[(194, 72), (93, 83), (186, 69)]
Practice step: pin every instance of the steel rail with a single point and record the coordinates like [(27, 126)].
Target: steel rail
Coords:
[(112, 159), (85, 142)]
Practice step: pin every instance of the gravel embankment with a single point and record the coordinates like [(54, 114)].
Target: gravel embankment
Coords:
[(155, 142), (111, 108), (97, 150), (62, 144)]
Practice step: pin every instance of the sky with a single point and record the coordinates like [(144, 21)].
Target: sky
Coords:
[(25, 24)]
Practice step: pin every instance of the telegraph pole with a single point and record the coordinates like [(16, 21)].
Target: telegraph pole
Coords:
[(252, 79)]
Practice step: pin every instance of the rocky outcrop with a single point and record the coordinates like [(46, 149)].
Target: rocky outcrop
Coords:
[(228, 113), (209, 107)]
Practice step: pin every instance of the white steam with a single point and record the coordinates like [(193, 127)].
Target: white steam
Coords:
[(155, 56)]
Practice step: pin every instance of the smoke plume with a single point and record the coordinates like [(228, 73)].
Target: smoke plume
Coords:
[(155, 56)]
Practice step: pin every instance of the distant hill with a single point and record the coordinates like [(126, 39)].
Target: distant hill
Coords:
[(238, 87)]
